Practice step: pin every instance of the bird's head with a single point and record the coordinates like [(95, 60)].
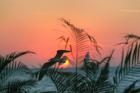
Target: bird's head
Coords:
[(54, 60)]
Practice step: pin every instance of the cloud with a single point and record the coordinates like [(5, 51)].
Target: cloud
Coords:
[(130, 10)]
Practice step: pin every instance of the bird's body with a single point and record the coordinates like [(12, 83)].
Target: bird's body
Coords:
[(52, 61)]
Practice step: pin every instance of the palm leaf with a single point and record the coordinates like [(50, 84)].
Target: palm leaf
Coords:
[(12, 68), (58, 79), (81, 41), (17, 86), (131, 88), (78, 83), (4, 61), (128, 71)]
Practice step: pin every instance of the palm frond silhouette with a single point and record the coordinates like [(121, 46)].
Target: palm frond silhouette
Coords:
[(128, 68), (8, 66), (81, 40), (128, 38)]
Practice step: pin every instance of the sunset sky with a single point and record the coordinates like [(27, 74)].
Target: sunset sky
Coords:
[(34, 25)]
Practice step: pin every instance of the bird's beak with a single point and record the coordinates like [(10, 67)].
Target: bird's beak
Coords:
[(67, 51)]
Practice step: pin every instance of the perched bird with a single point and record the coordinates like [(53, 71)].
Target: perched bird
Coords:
[(58, 58)]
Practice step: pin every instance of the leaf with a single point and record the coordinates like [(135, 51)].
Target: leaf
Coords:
[(4, 61), (18, 86), (129, 66), (130, 88)]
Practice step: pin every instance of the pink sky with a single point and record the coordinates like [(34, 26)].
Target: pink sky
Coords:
[(34, 25)]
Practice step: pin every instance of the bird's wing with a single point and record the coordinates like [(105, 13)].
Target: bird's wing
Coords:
[(60, 53), (47, 65), (44, 69)]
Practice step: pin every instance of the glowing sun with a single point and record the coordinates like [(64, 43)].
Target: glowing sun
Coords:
[(66, 64)]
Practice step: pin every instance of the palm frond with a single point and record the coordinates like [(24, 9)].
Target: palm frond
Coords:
[(11, 68), (81, 41), (58, 79), (131, 88), (128, 70), (17, 86), (4, 61), (78, 83), (103, 83), (132, 36)]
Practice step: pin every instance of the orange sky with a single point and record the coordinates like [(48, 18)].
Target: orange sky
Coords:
[(34, 25)]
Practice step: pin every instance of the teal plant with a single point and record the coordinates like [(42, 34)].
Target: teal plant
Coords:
[(8, 66), (128, 70), (80, 41)]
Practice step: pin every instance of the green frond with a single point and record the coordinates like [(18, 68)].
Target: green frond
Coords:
[(4, 61), (128, 70), (131, 88), (58, 79), (12, 68), (17, 86), (78, 83)]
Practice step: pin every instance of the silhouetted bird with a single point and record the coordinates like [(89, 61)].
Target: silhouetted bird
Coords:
[(52, 61)]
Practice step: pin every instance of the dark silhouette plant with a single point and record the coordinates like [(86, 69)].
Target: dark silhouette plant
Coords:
[(8, 66), (81, 41), (129, 67)]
